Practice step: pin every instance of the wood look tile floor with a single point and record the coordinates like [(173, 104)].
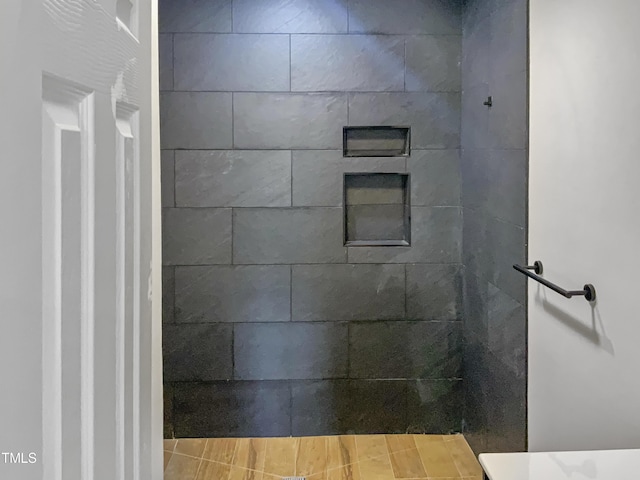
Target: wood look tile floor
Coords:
[(343, 457)]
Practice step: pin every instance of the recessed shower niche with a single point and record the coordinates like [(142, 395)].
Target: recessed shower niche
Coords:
[(376, 209), (376, 141)]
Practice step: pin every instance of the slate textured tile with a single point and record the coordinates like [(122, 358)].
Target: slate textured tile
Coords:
[(165, 49), (289, 16), (233, 178), (435, 178), (476, 52), (434, 292), (167, 410), (375, 223), (168, 294), (318, 174), (239, 409), (405, 350), (507, 190), (347, 63), (508, 38), (197, 352), (349, 406), (233, 294), (273, 236), (347, 292), (289, 121), (281, 351), (434, 117), (507, 332), (436, 237), (167, 168), (435, 406), (195, 120), (508, 115), (433, 63), (405, 16), (475, 124), (194, 15), (196, 236), (219, 62)]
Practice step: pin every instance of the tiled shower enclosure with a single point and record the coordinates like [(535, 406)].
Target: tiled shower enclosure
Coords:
[(273, 325)]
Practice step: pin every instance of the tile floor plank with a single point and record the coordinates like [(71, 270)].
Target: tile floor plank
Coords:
[(463, 456), (213, 471), (281, 456), (405, 459), (250, 453), (341, 457), (220, 450), (436, 459), (192, 447), (181, 467), (373, 458), (311, 457)]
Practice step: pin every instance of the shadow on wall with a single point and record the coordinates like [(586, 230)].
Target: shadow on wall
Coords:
[(593, 332)]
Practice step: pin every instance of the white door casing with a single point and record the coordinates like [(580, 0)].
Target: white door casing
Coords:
[(80, 278)]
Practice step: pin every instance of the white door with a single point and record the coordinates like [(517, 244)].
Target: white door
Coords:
[(79, 342)]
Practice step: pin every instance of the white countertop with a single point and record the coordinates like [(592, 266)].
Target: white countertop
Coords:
[(590, 465)]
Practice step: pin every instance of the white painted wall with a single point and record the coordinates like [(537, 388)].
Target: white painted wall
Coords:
[(584, 361)]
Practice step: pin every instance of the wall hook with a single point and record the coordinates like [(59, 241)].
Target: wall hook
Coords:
[(489, 102)]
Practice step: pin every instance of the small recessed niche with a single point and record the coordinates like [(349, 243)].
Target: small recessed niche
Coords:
[(376, 141), (376, 209)]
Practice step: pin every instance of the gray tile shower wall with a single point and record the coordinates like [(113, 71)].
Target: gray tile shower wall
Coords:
[(494, 198), (272, 325)]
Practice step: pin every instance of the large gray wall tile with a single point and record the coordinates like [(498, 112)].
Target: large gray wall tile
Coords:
[(197, 352), (508, 38), (168, 294), (435, 178), (167, 169), (508, 115), (195, 120), (290, 351), (434, 117), (434, 292), (506, 193), (433, 63), (405, 350), (302, 235), (233, 178), (347, 292), (165, 49), (289, 16), (289, 121), (436, 237), (233, 294), (196, 236), (194, 15), (238, 409), (331, 407), (474, 131), (231, 62), (318, 174), (347, 63), (436, 406), (405, 16)]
